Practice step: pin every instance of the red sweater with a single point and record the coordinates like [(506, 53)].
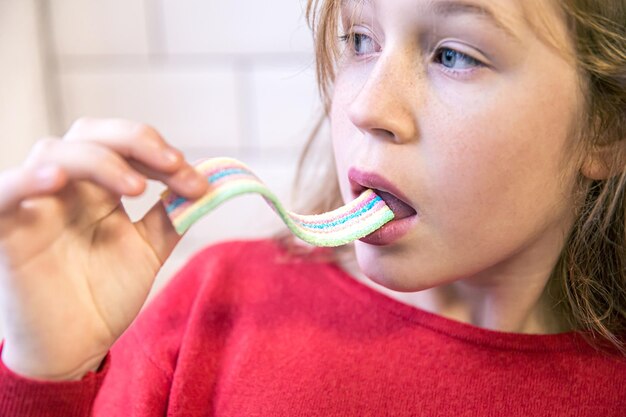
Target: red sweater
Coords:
[(243, 330)]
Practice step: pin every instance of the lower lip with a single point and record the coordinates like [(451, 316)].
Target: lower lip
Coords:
[(391, 231)]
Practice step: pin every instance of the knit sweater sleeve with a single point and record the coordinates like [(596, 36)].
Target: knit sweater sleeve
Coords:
[(20, 396), (135, 377)]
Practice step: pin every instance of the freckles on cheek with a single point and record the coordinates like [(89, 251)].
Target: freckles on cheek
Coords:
[(464, 180), (474, 171), (343, 132), (343, 143), (490, 187)]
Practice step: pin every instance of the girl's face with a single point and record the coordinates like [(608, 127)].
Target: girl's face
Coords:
[(468, 113)]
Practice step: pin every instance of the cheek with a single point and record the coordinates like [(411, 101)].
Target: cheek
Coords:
[(504, 146), (341, 150), (497, 169), (343, 132), (495, 174)]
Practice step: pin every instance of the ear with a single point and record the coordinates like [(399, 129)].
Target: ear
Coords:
[(604, 161), (595, 168)]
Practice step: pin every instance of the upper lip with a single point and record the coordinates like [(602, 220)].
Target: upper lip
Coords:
[(360, 180)]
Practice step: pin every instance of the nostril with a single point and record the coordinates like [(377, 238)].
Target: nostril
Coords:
[(387, 134)]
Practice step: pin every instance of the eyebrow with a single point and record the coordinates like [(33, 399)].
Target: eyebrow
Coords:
[(455, 7)]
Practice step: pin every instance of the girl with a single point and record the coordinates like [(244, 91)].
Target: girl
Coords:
[(495, 131)]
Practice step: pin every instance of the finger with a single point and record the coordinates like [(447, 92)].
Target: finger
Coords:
[(88, 161), (142, 143), (157, 229), (186, 181), (130, 139), (19, 184)]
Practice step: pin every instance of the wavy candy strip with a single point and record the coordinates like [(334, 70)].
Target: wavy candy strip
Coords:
[(229, 177)]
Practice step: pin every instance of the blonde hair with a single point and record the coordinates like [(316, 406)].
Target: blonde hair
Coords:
[(590, 275)]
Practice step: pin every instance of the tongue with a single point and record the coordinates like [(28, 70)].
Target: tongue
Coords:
[(400, 208)]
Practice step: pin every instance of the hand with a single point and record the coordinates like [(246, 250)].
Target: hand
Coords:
[(74, 270)]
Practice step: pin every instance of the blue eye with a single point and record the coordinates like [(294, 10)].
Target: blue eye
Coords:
[(456, 60), (361, 44)]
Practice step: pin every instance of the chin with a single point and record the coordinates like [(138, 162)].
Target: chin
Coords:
[(385, 270)]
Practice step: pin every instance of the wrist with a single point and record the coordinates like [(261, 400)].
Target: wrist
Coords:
[(54, 371)]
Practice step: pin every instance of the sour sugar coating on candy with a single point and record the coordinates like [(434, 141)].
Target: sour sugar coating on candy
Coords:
[(229, 177)]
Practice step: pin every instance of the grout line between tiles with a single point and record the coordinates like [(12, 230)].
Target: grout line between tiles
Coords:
[(50, 68)]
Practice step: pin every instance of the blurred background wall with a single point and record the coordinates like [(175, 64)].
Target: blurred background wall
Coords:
[(216, 78)]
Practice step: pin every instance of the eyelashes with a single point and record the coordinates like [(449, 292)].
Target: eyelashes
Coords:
[(449, 57), (355, 40), (450, 60)]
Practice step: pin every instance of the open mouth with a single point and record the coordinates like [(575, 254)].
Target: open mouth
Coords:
[(400, 208), (389, 193), (405, 214)]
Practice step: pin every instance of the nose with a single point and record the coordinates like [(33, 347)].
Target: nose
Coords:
[(385, 105)]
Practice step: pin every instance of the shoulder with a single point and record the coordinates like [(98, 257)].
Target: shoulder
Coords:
[(224, 281), (230, 269), (232, 252), (598, 374), (242, 256), (251, 266), (211, 287), (209, 277)]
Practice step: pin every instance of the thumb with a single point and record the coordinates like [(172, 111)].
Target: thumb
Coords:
[(158, 230)]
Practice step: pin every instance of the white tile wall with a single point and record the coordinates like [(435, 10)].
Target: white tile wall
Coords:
[(231, 78), (96, 27), (191, 108), (285, 103), (234, 26), (23, 115)]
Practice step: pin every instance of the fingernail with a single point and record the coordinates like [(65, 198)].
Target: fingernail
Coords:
[(193, 181), (133, 181), (170, 156), (47, 175), (198, 182)]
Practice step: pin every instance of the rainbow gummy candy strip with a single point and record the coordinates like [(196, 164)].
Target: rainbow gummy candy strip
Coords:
[(229, 178)]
